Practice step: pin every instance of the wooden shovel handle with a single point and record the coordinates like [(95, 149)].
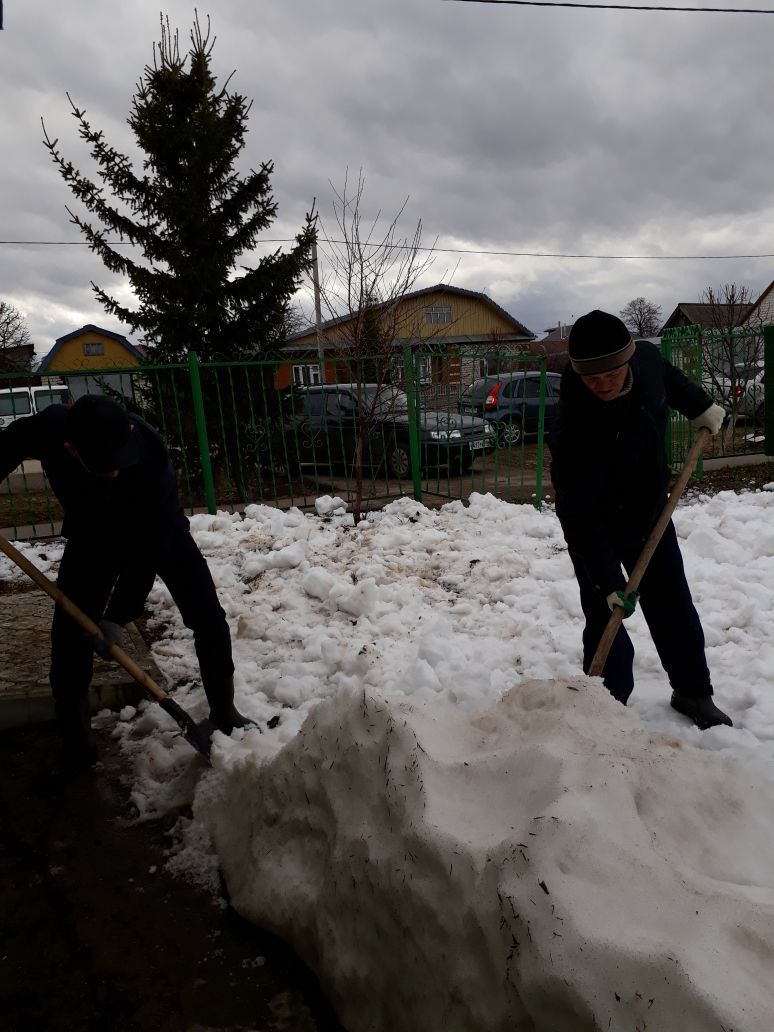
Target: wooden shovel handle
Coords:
[(140, 675), (606, 641)]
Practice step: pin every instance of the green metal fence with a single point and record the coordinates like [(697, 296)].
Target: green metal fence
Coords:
[(436, 426), (730, 365)]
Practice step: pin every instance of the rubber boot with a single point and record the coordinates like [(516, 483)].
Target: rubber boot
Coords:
[(223, 713), (703, 711), (78, 749)]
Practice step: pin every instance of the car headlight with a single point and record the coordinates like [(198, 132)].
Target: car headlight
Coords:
[(445, 435), (488, 429)]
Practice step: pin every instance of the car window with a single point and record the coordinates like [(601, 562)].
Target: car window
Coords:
[(340, 404), (313, 404), (512, 388), (51, 396), (532, 388), (479, 389), (15, 404)]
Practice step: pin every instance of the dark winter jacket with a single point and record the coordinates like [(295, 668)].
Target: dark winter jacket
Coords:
[(609, 465), (127, 520)]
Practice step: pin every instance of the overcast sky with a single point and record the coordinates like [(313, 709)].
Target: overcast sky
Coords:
[(511, 129)]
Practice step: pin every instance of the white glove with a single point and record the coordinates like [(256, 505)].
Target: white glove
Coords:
[(712, 418)]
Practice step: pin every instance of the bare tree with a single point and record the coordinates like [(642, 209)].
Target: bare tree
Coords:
[(730, 351), (642, 317), (13, 327), (370, 272)]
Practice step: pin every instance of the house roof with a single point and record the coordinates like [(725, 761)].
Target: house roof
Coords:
[(17, 357), (443, 287), (89, 328), (703, 315), (756, 307)]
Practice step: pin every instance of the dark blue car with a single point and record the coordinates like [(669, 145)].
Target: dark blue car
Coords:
[(510, 403)]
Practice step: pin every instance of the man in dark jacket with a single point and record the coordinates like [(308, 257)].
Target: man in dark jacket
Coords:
[(124, 525), (610, 476)]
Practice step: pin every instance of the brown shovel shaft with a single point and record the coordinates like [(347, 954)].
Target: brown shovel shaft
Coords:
[(197, 735), (606, 641), (140, 675)]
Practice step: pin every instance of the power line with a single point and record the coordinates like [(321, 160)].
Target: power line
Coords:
[(449, 250), (620, 7)]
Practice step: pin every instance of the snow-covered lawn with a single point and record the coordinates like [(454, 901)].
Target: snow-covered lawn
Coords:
[(466, 834)]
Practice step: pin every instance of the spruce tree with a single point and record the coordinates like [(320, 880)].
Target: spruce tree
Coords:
[(189, 212)]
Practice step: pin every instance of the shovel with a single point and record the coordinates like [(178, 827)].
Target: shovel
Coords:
[(195, 734), (606, 641)]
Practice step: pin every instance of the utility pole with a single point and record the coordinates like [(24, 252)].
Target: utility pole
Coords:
[(317, 310)]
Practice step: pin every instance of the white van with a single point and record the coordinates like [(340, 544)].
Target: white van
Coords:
[(16, 402)]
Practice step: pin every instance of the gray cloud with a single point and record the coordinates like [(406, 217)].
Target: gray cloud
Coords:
[(509, 129)]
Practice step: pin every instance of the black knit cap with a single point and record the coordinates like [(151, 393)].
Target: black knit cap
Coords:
[(599, 342), (100, 430)]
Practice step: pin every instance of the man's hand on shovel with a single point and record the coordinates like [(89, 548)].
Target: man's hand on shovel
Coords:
[(626, 602), (112, 634)]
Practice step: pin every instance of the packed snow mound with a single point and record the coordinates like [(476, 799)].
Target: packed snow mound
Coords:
[(546, 864)]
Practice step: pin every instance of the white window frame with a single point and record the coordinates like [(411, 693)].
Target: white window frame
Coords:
[(307, 375), (438, 315), (93, 348)]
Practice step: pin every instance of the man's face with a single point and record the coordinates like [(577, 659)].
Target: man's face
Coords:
[(607, 386)]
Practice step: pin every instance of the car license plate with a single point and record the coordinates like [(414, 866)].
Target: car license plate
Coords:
[(478, 445)]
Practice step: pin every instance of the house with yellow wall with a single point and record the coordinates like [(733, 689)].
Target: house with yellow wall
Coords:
[(454, 334), (85, 360)]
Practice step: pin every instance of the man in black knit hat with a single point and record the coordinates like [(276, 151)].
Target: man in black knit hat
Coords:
[(610, 476), (124, 525)]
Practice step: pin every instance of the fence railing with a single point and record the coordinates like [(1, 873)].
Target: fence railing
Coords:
[(730, 365), (436, 426)]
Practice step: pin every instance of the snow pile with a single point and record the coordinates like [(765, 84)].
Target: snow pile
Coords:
[(546, 863)]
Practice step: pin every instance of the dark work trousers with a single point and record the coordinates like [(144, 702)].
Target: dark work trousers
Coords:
[(666, 603), (88, 574)]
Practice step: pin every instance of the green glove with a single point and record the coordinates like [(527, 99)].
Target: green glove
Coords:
[(627, 602)]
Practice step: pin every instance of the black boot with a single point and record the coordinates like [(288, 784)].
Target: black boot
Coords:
[(223, 713), (703, 712), (79, 752)]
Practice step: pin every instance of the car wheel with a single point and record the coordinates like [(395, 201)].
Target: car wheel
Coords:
[(399, 461), (509, 434)]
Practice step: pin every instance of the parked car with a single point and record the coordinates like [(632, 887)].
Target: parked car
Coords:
[(510, 403), (749, 394), (326, 421), (16, 402)]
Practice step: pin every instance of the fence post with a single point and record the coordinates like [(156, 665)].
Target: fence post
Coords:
[(768, 388), (540, 441), (413, 414), (201, 432)]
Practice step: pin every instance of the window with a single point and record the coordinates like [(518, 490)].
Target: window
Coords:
[(306, 375), (436, 314), (313, 403), (423, 366), (531, 388), (15, 403), (341, 404), (94, 347)]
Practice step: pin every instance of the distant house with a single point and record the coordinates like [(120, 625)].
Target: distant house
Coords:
[(453, 332), (85, 357), (707, 317), (762, 312), (16, 359), (555, 346)]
